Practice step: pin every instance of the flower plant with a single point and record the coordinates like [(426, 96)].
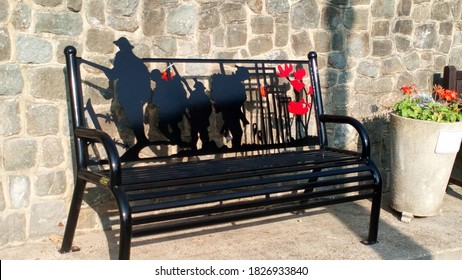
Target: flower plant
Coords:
[(442, 105), (301, 107)]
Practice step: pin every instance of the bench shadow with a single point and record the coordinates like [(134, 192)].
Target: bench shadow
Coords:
[(103, 204), (393, 244), (450, 191), (108, 216)]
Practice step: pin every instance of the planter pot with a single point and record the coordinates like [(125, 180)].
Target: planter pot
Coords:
[(422, 157)]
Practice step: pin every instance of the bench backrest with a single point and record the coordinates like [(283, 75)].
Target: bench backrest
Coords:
[(157, 108), (452, 79)]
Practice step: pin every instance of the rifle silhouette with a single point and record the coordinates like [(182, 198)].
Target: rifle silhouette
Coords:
[(106, 70)]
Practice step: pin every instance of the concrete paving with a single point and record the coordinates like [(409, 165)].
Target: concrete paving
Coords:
[(328, 233)]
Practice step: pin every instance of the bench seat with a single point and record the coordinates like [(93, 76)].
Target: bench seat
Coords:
[(216, 190)]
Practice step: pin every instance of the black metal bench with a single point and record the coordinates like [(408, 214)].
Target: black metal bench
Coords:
[(197, 142)]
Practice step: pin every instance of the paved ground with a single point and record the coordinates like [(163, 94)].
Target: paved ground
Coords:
[(329, 233)]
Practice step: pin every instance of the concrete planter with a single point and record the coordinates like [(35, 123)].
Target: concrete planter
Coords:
[(422, 156)]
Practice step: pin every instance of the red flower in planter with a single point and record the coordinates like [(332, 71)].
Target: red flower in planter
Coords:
[(447, 94), (408, 89)]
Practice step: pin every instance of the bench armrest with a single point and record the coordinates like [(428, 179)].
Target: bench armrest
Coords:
[(98, 136), (364, 136)]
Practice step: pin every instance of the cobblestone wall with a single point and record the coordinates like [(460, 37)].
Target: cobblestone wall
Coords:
[(367, 48)]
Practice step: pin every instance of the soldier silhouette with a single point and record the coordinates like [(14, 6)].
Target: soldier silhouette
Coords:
[(229, 95), (132, 87), (170, 97), (199, 109)]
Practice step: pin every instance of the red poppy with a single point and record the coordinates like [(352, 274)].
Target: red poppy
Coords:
[(284, 71), (165, 75), (263, 91), (298, 85), (299, 108), (300, 73), (310, 91)]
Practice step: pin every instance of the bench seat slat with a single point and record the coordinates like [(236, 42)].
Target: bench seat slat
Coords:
[(261, 177), (222, 183), (240, 193), (362, 181), (196, 170)]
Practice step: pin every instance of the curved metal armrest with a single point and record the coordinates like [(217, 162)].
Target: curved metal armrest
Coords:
[(364, 136), (98, 136)]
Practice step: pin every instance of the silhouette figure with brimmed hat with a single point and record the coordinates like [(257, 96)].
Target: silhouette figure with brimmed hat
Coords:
[(132, 86)]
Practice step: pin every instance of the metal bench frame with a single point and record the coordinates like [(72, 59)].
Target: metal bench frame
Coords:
[(179, 194)]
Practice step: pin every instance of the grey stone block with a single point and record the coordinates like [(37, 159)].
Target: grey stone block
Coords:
[(100, 41), (125, 8), (42, 120), (5, 45), (95, 13), (31, 49), (19, 154), (236, 35), (262, 24), (129, 24), (232, 13), (305, 14), (45, 218), (74, 5), (64, 23), (426, 36), (181, 20), (10, 122), (22, 16), (47, 83), (53, 183), (4, 8), (209, 18), (48, 3), (12, 228), (260, 45), (52, 153), (19, 190), (301, 43), (277, 6), (153, 21), (12, 81)]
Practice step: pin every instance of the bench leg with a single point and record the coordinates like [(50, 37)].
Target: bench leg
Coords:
[(73, 216), (375, 217), (375, 210), (125, 224)]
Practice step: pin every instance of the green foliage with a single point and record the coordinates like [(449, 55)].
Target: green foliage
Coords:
[(428, 111)]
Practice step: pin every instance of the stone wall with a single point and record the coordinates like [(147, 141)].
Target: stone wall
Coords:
[(367, 50)]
